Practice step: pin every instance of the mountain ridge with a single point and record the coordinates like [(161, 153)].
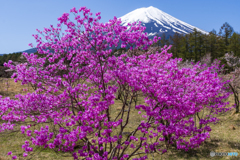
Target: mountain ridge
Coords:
[(158, 22), (155, 21)]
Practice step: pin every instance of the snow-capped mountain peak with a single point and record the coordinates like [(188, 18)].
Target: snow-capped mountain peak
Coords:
[(157, 22)]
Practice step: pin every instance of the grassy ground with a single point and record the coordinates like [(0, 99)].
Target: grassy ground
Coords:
[(224, 135)]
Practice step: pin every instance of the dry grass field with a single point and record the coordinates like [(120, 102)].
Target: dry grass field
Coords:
[(224, 135)]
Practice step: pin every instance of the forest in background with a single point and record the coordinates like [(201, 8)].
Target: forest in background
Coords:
[(195, 45), (191, 47)]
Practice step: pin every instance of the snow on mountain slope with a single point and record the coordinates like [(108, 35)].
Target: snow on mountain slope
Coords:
[(158, 22)]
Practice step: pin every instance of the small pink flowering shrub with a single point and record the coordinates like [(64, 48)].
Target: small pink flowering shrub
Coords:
[(77, 81)]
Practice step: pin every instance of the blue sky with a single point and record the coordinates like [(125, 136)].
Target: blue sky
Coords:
[(20, 18)]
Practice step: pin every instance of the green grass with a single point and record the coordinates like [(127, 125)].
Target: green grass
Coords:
[(223, 137)]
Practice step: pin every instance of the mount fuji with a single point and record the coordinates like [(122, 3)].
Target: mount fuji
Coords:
[(158, 22)]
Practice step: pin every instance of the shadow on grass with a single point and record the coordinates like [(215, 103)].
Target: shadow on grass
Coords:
[(204, 151), (197, 153), (237, 122), (79, 145), (234, 145), (5, 94), (55, 154)]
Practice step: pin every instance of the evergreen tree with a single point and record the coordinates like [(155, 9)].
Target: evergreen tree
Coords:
[(176, 42), (226, 31), (212, 44), (234, 44), (200, 45), (193, 41), (164, 41), (221, 47), (184, 49)]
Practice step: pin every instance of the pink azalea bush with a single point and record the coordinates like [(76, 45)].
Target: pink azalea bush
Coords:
[(77, 80)]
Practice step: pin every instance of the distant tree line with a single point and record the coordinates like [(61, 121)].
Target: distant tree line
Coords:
[(190, 47), (195, 45), (11, 56)]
